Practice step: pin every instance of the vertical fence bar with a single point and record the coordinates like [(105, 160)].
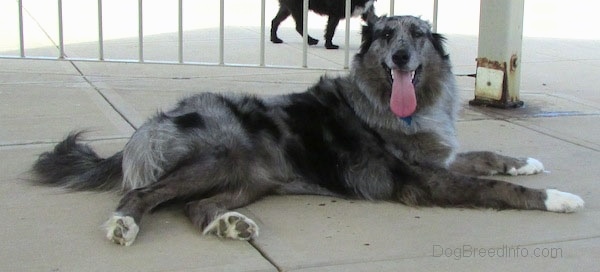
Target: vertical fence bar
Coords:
[(61, 43), (392, 7), (222, 33), (180, 32), (100, 32), (435, 15), (21, 37), (262, 33), (140, 32), (305, 33), (347, 41)]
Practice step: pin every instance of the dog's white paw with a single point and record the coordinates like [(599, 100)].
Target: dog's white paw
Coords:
[(232, 225), (532, 166), (121, 230), (557, 201)]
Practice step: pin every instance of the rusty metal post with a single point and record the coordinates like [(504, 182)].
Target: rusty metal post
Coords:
[(499, 54)]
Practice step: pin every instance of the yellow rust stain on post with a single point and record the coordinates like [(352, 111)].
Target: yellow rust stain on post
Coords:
[(514, 62), (502, 97), (485, 62)]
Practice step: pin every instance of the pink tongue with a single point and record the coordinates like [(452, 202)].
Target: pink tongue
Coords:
[(403, 101)]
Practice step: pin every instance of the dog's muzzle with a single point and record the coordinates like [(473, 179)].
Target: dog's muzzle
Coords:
[(415, 75)]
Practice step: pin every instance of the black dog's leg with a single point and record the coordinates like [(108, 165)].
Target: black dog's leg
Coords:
[(296, 12), (332, 23), (282, 14)]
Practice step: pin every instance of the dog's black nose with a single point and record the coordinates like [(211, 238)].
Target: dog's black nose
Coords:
[(401, 57)]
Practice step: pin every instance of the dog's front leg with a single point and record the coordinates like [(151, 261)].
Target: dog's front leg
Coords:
[(483, 163), (449, 189)]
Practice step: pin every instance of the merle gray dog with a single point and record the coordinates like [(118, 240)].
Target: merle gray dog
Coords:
[(334, 9), (384, 132)]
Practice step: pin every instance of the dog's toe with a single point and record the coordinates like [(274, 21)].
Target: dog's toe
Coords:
[(531, 167), (233, 225), (332, 46), (121, 230), (557, 201)]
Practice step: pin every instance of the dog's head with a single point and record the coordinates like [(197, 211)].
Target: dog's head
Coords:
[(402, 50)]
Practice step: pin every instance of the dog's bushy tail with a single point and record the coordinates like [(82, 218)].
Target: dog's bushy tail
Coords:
[(76, 166)]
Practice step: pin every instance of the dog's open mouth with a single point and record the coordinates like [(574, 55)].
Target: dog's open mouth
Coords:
[(403, 101)]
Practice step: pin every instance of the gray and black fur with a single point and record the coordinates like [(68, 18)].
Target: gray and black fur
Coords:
[(220, 152), (334, 9)]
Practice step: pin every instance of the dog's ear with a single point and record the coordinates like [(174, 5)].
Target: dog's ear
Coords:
[(367, 33), (369, 15), (366, 40), (437, 40)]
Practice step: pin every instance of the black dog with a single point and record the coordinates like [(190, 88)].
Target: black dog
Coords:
[(335, 9)]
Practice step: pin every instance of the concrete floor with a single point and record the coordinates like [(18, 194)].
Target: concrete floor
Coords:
[(47, 229)]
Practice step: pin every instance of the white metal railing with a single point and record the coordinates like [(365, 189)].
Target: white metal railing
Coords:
[(21, 36), (180, 36), (100, 32)]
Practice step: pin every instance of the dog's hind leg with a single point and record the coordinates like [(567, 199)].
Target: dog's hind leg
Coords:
[(296, 12), (187, 180), (282, 14), (332, 23), (213, 215), (489, 163), (122, 228)]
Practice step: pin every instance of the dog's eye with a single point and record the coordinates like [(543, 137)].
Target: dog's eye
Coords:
[(417, 33), (387, 34)]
